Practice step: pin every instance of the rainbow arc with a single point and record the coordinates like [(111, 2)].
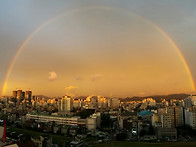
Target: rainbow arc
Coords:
[(20, 49)]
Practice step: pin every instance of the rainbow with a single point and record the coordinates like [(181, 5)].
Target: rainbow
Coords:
[(80, 9)]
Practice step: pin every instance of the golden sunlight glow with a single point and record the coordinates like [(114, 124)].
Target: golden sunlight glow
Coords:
[(100, 51)]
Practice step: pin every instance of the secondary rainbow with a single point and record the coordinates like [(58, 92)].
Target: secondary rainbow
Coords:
[(86, 8)]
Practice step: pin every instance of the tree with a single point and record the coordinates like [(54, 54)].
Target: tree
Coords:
[(142, 133), (151, 130), (121, 136), (106, 121), (85, 113)]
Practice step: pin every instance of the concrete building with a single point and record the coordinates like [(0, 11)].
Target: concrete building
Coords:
[(167, 120), (93, 102), (154, 120), (102, 102), (93, 121), (65, 104), (19, 94), (126, 119), (190, 118), (91, 124), (188, 102), (171, 116), (77, 103), (193, 99), (14, 95), (70, 121), (166, 133), (178, 116), (161, 111), (113, 103), (146, 115), (28, 95)]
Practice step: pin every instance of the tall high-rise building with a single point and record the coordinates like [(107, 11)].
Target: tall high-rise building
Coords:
[(23, 95), (102, 102), (188, 102), (65, 104), (28, 95), (14, 95), (171, 116), (190, 117), (19, 95), (94, 102), (178, 115), (167, 120)]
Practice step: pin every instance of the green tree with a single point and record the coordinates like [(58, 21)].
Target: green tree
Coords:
[(106, 121), (121, 136)]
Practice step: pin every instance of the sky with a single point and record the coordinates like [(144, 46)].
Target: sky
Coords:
[(89, 47)]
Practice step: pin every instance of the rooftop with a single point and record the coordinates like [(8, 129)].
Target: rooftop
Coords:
[(145, 112)]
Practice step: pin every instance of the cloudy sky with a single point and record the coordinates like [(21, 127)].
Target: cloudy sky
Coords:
[(102, 47)]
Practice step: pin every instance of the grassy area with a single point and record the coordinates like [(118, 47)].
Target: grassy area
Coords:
[(56, 139), (145, 144)]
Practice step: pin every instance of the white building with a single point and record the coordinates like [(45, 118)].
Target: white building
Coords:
[(155, 119), (190, 101), (65, 104), (94, 121), (190, 118), (57, 119)]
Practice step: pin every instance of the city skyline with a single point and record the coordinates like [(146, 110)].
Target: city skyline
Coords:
[(102, 48)]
